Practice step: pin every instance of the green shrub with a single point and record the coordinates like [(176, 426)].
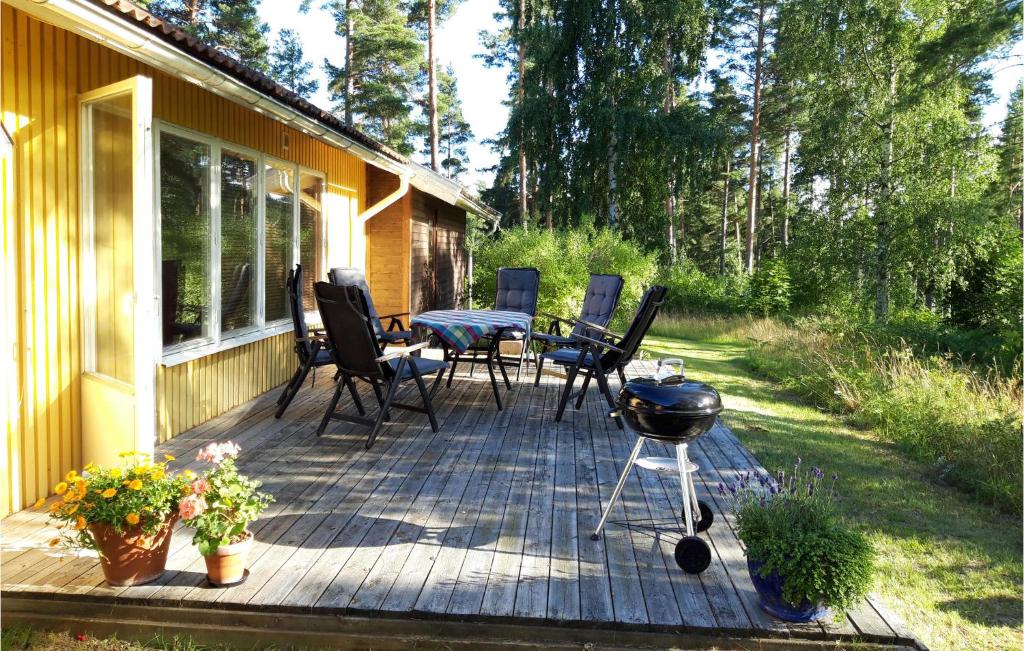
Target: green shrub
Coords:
[(565, 260), (691, 291), (770, 291)]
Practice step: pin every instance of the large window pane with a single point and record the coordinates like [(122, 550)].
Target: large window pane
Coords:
[(310, 234), (184, 237), (280, 197), (238, 237)]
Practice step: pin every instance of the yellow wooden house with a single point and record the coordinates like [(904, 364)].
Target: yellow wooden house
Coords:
[(155, 194)]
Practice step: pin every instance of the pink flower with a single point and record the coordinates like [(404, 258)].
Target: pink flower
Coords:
[(191, 507), (217, 452), (200, 486)]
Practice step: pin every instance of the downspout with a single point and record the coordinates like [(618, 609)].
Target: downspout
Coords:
[(377, 208)]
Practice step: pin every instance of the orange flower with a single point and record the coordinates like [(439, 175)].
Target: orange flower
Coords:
[(70, 477), (39, 502), (157, 474), (189, 474), (60, 488), (81, 486), (54, 507), (169, 457), (110, 492), (54, 542), (115, 473), (80, 523), (132, 518), (135, 485), (71, 510)]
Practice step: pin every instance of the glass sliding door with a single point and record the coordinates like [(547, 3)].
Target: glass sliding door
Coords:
[(239, 240), (311, 234)]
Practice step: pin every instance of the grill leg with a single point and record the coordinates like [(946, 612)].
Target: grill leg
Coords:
[(618, 487), (682, 461)]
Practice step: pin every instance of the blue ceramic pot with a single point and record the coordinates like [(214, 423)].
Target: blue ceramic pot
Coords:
[(769, 589)]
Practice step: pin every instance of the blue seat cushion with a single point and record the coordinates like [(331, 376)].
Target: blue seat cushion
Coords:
[(553, 340), (396, 336), (567, 357), (423, 365)]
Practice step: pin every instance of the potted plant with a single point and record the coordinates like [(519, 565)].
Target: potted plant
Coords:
[(126, 514), (220, 505), (804, 561)]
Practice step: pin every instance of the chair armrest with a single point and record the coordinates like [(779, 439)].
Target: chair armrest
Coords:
[(402, 352), (392, 316), (593, 326), (595, 342), (553, 317)]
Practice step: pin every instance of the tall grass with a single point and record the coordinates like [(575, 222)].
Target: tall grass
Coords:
[(963, 421)]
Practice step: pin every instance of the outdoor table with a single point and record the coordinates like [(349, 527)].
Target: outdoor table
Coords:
[(459, 330)]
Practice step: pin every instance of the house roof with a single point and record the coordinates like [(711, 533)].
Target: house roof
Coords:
[(261, 83)]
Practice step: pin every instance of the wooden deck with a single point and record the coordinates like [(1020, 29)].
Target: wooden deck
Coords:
[(473, 537)]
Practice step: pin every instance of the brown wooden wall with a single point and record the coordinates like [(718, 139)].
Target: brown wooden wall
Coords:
[(387, 244), (437, 258)]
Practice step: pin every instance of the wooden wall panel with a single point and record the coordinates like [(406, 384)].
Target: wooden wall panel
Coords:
[(387, 245), (43, 71)]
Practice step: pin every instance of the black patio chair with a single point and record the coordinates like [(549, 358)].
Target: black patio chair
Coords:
[(517, 291), (395, 332), (598, 357), (345, 313), (311, 347), (599, 303)]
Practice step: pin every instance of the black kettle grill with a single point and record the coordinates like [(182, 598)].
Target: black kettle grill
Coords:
[(670, 409)]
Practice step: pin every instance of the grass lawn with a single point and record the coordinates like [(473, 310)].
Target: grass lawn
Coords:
[(951, 568)]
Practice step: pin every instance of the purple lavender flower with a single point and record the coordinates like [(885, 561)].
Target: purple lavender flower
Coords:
[(721, 488)]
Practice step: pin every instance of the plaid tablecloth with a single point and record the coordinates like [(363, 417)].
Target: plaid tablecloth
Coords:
[(460, 329)]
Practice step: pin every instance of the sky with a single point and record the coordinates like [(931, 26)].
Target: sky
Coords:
[(483, 90)]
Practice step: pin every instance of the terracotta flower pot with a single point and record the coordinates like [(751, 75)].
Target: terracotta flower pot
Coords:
[(226, 566), (132, 558)]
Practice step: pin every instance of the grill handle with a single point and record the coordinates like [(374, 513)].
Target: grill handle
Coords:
[(669, 363)]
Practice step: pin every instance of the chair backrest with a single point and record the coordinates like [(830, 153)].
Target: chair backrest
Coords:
[(600, 300), (346, 276), (294, 286), (630, 342), (517, 290), (345, 314)]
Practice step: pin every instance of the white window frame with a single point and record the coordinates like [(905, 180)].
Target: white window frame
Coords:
[(217, 341)]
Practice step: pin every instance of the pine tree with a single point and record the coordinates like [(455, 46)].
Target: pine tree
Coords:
[(1011, 153), (289, 68), (454, 132), (234, 27), (376, 86)]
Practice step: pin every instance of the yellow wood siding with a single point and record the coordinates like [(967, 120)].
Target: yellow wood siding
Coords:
[(43, 71)]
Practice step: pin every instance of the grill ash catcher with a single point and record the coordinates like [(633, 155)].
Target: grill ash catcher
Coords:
[(670, 409)]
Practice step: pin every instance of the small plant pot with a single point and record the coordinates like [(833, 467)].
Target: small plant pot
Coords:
[(226, 566), (769, 591), (132, 557)]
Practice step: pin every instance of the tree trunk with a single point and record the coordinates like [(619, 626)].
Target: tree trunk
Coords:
[(524, 215), (682, 227), (785, 192), (432, 86), (350, 81), (725, 217), (882, 211), (613, 179), (666, 109), (755, 134)]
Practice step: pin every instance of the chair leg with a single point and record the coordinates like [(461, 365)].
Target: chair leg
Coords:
[(494, 381), (622, 376), (570, 379), (330, 410), (392, 387), (501, 366), (602, 383), (355, 395), (426, 400), (303, 372), (288, 387), (437, 383), (522, 359), (540, 368), (583, 392)]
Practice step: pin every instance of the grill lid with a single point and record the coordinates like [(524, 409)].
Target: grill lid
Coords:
[(669, 393)]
